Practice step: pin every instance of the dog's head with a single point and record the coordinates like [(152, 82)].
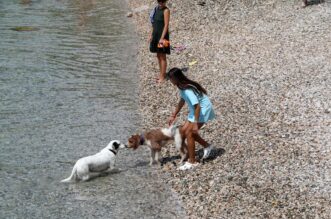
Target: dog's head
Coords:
[(134, 141), (115, 145)]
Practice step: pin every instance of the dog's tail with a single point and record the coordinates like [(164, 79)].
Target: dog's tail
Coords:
[(178, 139), (170, 131), (72, 177)]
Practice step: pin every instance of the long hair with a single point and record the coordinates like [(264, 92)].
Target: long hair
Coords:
[(183, 82)]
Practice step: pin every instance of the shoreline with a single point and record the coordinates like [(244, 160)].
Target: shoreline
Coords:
[(265, 67)]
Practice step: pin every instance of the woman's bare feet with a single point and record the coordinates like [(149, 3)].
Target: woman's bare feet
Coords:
[(160, 81)]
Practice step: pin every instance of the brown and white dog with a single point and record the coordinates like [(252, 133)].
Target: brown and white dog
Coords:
[(158, 138)]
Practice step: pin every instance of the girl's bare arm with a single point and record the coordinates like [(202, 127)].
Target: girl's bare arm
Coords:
[(166, 23), (180, 105)]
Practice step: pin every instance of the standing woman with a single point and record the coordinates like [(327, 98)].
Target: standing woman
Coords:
[(159, 38), (200, 112)]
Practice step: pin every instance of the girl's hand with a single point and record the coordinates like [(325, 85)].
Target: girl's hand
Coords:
[(161, 41)]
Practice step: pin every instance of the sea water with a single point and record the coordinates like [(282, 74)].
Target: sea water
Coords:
[(68, 86)]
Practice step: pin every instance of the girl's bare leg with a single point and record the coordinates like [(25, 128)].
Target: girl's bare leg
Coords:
[(190, 142), (159, 59), (163, 66), (193, 137), (191, 147), (183, 150), (199, 139)]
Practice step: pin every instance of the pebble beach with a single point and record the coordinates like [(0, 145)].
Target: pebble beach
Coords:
[(266, 66)]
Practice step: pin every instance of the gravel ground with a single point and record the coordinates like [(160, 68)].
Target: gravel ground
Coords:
[(266, 66)]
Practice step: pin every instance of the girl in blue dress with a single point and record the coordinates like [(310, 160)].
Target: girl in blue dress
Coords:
[(200, 112)]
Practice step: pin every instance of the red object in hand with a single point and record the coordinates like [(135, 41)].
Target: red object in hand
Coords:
[(165, 43)]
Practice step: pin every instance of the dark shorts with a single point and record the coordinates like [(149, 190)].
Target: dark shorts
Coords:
[(154, 49)]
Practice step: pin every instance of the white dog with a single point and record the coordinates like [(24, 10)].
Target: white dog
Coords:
[(95, 165)]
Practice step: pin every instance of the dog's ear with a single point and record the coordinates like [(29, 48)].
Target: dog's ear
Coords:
[(116, 145)]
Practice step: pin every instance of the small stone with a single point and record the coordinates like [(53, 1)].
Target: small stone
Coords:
[(201, 3)]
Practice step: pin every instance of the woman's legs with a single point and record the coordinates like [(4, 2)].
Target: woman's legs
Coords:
[(159, 60), (162, 58)]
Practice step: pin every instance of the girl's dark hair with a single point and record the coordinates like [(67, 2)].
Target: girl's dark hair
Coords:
[(161, 1), (183, 82)]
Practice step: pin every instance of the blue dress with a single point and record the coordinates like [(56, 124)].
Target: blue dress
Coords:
[(191, 99)]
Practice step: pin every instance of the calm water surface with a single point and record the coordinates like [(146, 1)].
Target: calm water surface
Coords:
[(66, 89)]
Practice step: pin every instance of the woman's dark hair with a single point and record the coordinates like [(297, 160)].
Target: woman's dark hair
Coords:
[(161, 1), (183, 82)]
